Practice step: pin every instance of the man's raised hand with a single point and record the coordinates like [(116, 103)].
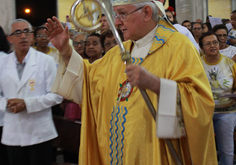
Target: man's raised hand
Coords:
[(59, 37)]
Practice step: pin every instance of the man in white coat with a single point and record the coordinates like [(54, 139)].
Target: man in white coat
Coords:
[(26, 78)]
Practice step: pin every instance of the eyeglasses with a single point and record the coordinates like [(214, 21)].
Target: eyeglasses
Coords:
[(197, 28), (222, 35), (41, 36), (122, 17), (215, 43), (78, 43), (108, 44), (18, 33)]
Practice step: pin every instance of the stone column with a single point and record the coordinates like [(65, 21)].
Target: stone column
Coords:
[(109, 6), (233, 5), (8, 13), (191, 10)]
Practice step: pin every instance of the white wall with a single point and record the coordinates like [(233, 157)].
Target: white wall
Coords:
[(7, 13)]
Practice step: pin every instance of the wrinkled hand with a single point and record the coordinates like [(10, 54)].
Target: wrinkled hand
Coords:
[(140, 77), (16, 105), (59, 36)]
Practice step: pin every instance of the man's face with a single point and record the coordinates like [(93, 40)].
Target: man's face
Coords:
[(233, 20), (187, 25), (41, 38), (93, 46), (79, 43), (197, 29), (105, 24), (22, 41), (132, 26), (109, 43)]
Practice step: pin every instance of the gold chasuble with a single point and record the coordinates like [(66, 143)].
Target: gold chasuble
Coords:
[(126, 133)]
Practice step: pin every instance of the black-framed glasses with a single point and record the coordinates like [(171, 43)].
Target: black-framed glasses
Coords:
[(122, 17), (222, 35), (79, 43), (41, 36), (108, 44), (197, 28), (18, 33), (215, 43)]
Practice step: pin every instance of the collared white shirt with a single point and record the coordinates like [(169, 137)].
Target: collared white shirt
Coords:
[(2, 54), (143, 45), (20, 66)]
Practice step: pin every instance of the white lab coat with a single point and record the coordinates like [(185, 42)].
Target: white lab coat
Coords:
[(2, 54), (35, 124)]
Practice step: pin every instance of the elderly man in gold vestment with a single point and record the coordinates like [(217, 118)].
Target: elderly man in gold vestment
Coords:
[(117, 127)]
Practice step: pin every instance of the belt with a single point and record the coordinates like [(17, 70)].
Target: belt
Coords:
[(228, 109)]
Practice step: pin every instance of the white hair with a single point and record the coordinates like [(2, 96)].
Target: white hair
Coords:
[(155, 9), (73, 31), (18, 20), (80, 33)]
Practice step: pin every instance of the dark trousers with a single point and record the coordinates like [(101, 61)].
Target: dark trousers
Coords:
[(39, 154), (3, 152)]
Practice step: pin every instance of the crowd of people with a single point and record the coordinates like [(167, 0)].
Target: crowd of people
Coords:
[(188, 70)]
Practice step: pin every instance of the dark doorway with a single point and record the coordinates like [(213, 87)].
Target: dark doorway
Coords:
[(40, 10), (172, 3)]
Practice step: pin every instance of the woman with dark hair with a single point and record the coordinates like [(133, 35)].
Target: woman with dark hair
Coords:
[(108, 40), (206, 27), (171, 16), (4, 44), (221, 32), (93, 47), (207, 19), (221, 73)]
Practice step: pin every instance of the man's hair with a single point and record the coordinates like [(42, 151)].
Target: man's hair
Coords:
[(72, 30), (225, 20), (155, 9), (218, 27), (197, 23), (205, 35), (108, 33), (38, 28), (94, 34), (80, 33), (16, 21), (103, 15), (233, 12), (185, 21)]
